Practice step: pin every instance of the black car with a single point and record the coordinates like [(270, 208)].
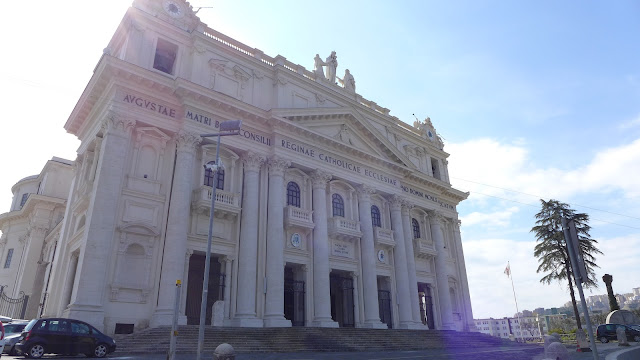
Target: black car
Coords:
[(606, 332), (63, 336)]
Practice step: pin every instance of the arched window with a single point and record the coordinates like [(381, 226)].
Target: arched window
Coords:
[(209, 177), (338, 205), (293, 194), (375, 216), (416, 228)]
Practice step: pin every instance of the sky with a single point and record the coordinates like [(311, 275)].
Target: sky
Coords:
[(534, 99)]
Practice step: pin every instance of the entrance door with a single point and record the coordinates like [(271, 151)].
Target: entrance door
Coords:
[(426, 305), (293, 298), (384, 306), (194, 288), (342, 300)]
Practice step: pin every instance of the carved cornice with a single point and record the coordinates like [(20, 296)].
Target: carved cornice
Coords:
[(252, 161), (319, 179), (117, 124), (187, 141), (278, 165)]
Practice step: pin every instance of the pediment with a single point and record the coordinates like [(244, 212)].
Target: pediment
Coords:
[(348, 128)]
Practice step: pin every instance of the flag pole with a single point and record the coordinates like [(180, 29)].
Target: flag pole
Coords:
[(515, 299)]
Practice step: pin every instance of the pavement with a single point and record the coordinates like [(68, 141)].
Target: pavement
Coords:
[(432, 354)]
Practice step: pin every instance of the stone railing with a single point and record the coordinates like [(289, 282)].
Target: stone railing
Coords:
[(341, 227), (295, 68), (225, 201), (383, 236), (295, 216)]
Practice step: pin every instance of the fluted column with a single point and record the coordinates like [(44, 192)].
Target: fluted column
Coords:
[(274, 303), (411, 262), (248, 252), (87, 302), (321, 290), (36, 245), (466, 297), (356, 302), (368, 260), (175, 245), (399, 263), (442, 279)]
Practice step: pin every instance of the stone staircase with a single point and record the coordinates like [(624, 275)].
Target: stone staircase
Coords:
[(305, 339)]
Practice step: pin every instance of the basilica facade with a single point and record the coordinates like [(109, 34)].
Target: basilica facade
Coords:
[(329, 212)]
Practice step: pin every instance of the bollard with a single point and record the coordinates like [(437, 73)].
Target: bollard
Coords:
[(622, 336), (224, 352), (557, 351)]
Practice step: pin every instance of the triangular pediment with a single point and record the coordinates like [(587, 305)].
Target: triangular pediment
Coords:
[(347, 127)]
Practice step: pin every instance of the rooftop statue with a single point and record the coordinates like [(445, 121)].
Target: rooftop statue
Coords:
[(332, 65), (348, 81), (317, 68)]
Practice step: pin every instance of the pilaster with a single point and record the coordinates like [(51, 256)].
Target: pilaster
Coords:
[(411, 262), (442, 280), (399, 263)]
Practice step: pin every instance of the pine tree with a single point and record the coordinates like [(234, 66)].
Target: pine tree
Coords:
[(551, 248)]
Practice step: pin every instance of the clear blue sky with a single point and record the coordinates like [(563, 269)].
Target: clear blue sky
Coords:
[(540, 97)]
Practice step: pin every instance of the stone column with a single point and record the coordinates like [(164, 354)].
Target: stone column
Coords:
[(91, 276), (411, 262), (399, 263), (226, 262), (274, 302), (442, 280), (356, 303), (466, 297), (248, 253), (185, 286), (175, 244), (368, 260), (321, 290), (37, 235)]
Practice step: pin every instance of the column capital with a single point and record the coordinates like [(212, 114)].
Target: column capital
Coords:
[(37, 230), (354, 275), (187, 141), (116, 123), (406, 207), (319, 178), (277, 165), (436, 218), (365, 191), (456, 225), (252, 161), (396, 202), (224, 259)]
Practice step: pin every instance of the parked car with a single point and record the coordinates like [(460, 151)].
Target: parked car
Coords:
[(63, 336), (1, 337), (606, 332), (12, 333)]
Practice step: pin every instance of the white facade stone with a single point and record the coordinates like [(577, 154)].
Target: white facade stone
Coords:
[(296, 241)]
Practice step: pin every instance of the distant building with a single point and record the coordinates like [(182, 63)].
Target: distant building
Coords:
[(30, 232), (513, 327)]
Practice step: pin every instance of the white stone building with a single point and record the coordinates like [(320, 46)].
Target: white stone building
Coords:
[(512, 327), (30, 231), (329, 211)]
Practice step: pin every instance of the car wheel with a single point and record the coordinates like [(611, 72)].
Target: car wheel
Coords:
[(100, 351), (35, 351), (604, 340), (636, 338)]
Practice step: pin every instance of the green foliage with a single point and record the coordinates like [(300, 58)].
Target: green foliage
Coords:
[(551, 248)]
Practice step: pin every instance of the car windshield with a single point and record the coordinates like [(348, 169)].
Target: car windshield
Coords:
[(13, 328), (30, 325)]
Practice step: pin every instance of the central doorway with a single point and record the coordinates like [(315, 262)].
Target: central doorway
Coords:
[(194, 287), (341, 288), (426, 305), (293, 297)]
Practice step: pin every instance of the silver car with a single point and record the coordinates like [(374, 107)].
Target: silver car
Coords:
[(12, 333)]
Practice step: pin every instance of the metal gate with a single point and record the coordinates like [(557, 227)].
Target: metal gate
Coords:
[(426, 306), (13, 308), (294, 302), (384, 306), (194, 288)]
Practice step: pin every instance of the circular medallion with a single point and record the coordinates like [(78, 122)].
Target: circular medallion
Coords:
[(295, 240), (382, 256), (172, 8)]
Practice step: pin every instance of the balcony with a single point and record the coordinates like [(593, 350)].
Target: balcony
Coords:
[(343, 228), (383, 236), (424, 248), (226, 202), (295, 216)]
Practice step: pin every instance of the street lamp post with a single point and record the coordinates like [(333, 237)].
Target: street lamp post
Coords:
[(227, 128)]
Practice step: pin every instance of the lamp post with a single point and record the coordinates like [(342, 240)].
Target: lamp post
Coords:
[(227, 128)]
